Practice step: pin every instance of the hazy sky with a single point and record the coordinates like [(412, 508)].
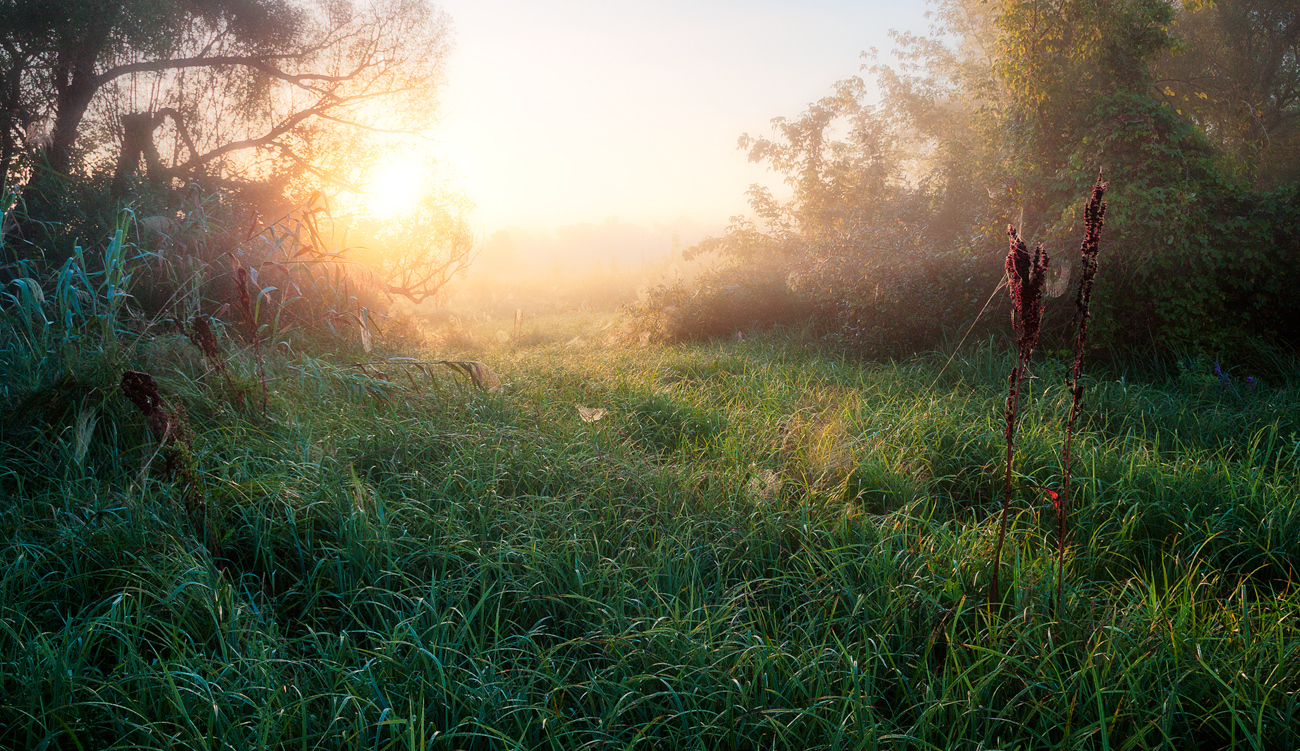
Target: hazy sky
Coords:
[(567, 111)]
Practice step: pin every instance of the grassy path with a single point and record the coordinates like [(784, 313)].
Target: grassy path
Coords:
[(755, 547)]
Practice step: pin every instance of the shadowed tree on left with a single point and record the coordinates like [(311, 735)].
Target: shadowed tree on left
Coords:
[(234, 92)]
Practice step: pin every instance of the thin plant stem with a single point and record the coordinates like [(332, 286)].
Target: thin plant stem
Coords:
[(250, 317), (1094, 218), (1013, 404), (1026, 274)]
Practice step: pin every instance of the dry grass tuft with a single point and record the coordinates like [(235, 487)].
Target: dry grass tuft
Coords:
[(245, 304), (83, 431), (479, 373), (591, 414), (455, 336), (818, 449), (764, 485)]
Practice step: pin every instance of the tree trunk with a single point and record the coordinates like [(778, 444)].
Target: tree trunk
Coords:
[(76, 84), (12, 92), (137, 141)]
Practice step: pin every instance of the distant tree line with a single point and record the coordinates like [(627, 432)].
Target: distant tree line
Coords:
[(895, 228)]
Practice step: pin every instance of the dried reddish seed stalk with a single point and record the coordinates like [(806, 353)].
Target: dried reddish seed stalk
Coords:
[(142, 390), (1026, 278), (167, 428), (201, 334), (1094, 218)]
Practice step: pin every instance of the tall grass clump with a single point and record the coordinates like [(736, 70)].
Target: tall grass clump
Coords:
[(79, 314), (421, 563), (725, 546)]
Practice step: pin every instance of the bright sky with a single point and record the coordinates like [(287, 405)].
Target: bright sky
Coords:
[(567, 111)]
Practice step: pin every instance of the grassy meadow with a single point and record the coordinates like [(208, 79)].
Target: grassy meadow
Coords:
[(340, 410), (755, 545)]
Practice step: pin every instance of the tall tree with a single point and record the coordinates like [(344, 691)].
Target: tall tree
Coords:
[(229, 77)]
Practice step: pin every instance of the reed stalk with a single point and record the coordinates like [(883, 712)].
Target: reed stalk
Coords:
[(245, 303)]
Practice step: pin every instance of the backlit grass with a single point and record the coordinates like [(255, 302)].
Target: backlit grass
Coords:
[(757, 546)]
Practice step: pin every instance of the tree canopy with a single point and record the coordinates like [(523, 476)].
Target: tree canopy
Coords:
[(228, 89), (1004, 115), (107, 102)]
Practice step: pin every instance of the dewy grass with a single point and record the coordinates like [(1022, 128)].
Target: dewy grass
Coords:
[(433, 565)]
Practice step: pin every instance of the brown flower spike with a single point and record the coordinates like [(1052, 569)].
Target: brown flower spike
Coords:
[(1094, 218), (201, 334), (1026, 279), (168, 428)]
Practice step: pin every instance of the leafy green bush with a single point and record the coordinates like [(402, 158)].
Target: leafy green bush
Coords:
[(893, 232), (722, 303)]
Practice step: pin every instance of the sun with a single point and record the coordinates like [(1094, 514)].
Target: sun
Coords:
[(396, 185)]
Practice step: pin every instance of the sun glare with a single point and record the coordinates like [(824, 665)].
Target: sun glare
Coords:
[(395, 186)]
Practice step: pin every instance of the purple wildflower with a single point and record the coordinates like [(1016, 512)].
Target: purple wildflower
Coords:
[(1224, 379)]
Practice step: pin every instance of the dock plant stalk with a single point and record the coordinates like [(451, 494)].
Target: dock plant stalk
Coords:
[(1094, 217), (1026, 275)]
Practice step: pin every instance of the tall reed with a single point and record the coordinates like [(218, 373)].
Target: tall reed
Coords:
[(245, 303), (1026, 275), (1094, 217)]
